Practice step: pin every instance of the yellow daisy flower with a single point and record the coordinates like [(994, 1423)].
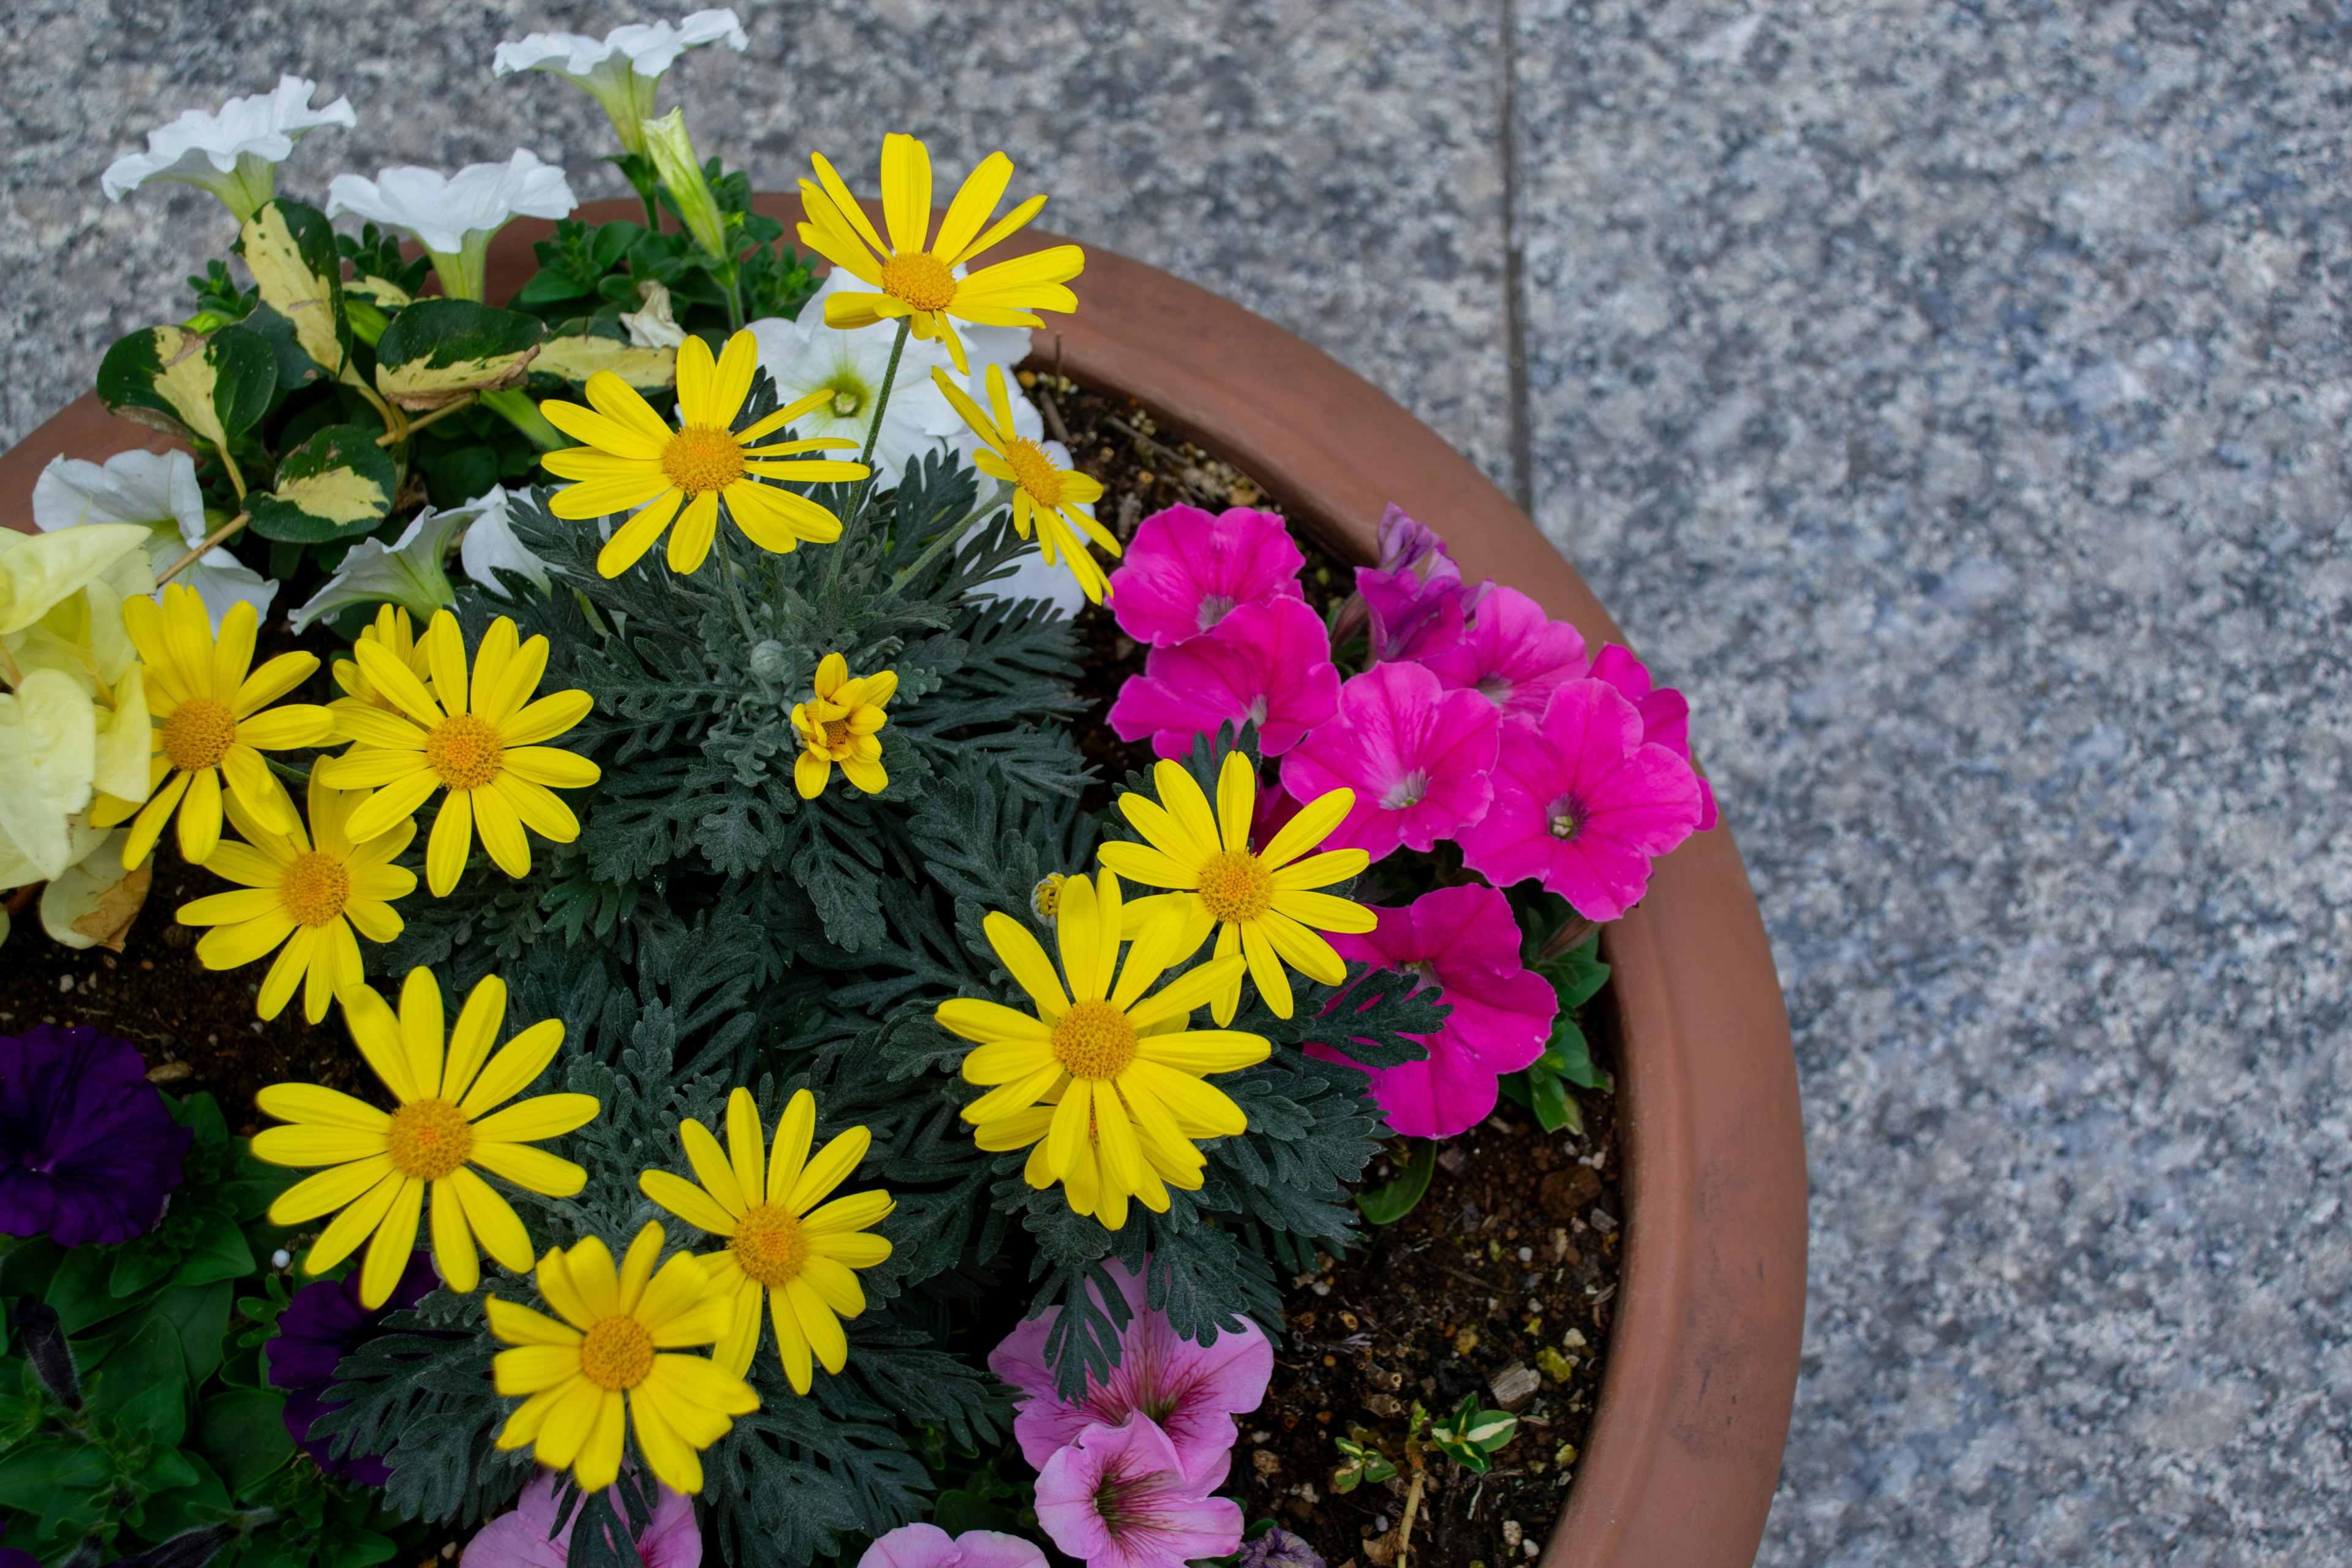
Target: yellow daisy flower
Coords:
[(212, 724), (915, 272), (303, 899), (1120, 1079), (477, 742), (448, 1123), (1050, 494), (841, 724), (774, 1244), (1046, 897), (588, 1377), (1165, 1164), (1259, 902), (633, 459), (389, 630)]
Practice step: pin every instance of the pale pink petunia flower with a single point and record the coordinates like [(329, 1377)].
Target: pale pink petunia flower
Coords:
[(1464, 941), (1583, 803), (1512, 654), (1193, 1391), (928, 1546), (1119, 1497), (1665, 713), (519, 1537), (1185, 571), (1269, 663), (1416, 755)]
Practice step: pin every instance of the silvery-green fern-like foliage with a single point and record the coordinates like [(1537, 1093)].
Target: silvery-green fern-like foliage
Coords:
[(711, 929)]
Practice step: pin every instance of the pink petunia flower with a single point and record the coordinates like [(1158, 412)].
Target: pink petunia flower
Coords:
[(1415, 596), (1119, 1497), (1466, 942), (1185, 571), (1513, 655), (928, 1546), (1416, 755), (1269, 663), (1583, 803), (1665, 713), (1193, 1391), (519, 1537)]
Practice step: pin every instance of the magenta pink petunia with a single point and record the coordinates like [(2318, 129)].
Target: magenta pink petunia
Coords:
[(1465, 941), (1193, 1391), (1417, 756), (928, 1546), (1185, 571), (1415, 596), (1119, 1497), (1268, 663), (521, 1538), (1665, 713), (1512, 654), (1583, 803)]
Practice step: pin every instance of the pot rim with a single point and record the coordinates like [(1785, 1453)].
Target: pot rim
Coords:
[(1685, 1448)]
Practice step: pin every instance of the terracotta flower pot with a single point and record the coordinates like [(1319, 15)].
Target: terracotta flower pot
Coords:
[(1684, 1449)]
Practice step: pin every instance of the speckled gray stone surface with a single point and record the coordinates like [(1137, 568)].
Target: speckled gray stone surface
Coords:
[(1951, 397)]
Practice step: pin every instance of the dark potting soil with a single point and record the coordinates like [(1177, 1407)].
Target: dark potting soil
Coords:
[(1505, 1274)]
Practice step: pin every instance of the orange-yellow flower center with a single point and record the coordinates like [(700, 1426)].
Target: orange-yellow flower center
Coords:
[(1094, 1040), (836, 731), (1235, 886), (617, 1352), (428, 1139), (1034, 471), (920, 279), (198, 734), (316, 887), (702, 458), (769, 1245), (464, 751), (1046, 897)]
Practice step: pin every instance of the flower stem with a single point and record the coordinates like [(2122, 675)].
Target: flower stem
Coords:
[(948, 540), (390, 437), (735, 594), (190, 559), (873, 439), (1572, 934)]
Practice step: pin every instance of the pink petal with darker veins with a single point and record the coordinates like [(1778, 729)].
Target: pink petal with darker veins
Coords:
[(928, 1546), (1416, 755), (1119, 1497), (1269, 664), (1185, 571), (1513, 655)]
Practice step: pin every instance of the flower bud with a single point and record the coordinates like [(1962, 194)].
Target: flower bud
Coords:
[(672, 151)]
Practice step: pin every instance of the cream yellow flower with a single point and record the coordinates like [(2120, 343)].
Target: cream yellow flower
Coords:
[(213, 725), (389, 630), (1125, 1069), (915, 272), (801, 1260), (633, 459), (303, 894), (448, 1123), (841, 724), (1042, 489), (478, 740), (1260, 903), (601, 1369)]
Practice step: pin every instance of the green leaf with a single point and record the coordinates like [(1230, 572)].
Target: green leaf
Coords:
[(575, 358), (243, 1433), (220, 1253), (199, 1314), (138, 1267), (33, 1476), (185, 1507), (144, 1383), (337, 485), (289, 248), (958, 1510), (211, 388), (81, 1291), (1389, 1203), (438, 351), (1577, 976)]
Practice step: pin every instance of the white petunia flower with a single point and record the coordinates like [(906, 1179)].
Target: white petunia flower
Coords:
[(490, 545), (234, 153), (621, 70), (156, 490), (409, 574), (1032, 578), (454, 215), (806, 357)]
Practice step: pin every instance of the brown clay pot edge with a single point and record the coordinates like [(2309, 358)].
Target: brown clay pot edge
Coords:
[(1684, 1451)]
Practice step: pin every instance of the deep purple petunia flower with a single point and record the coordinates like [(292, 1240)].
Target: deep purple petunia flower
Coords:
[(322, 1324), (88, 1148)]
